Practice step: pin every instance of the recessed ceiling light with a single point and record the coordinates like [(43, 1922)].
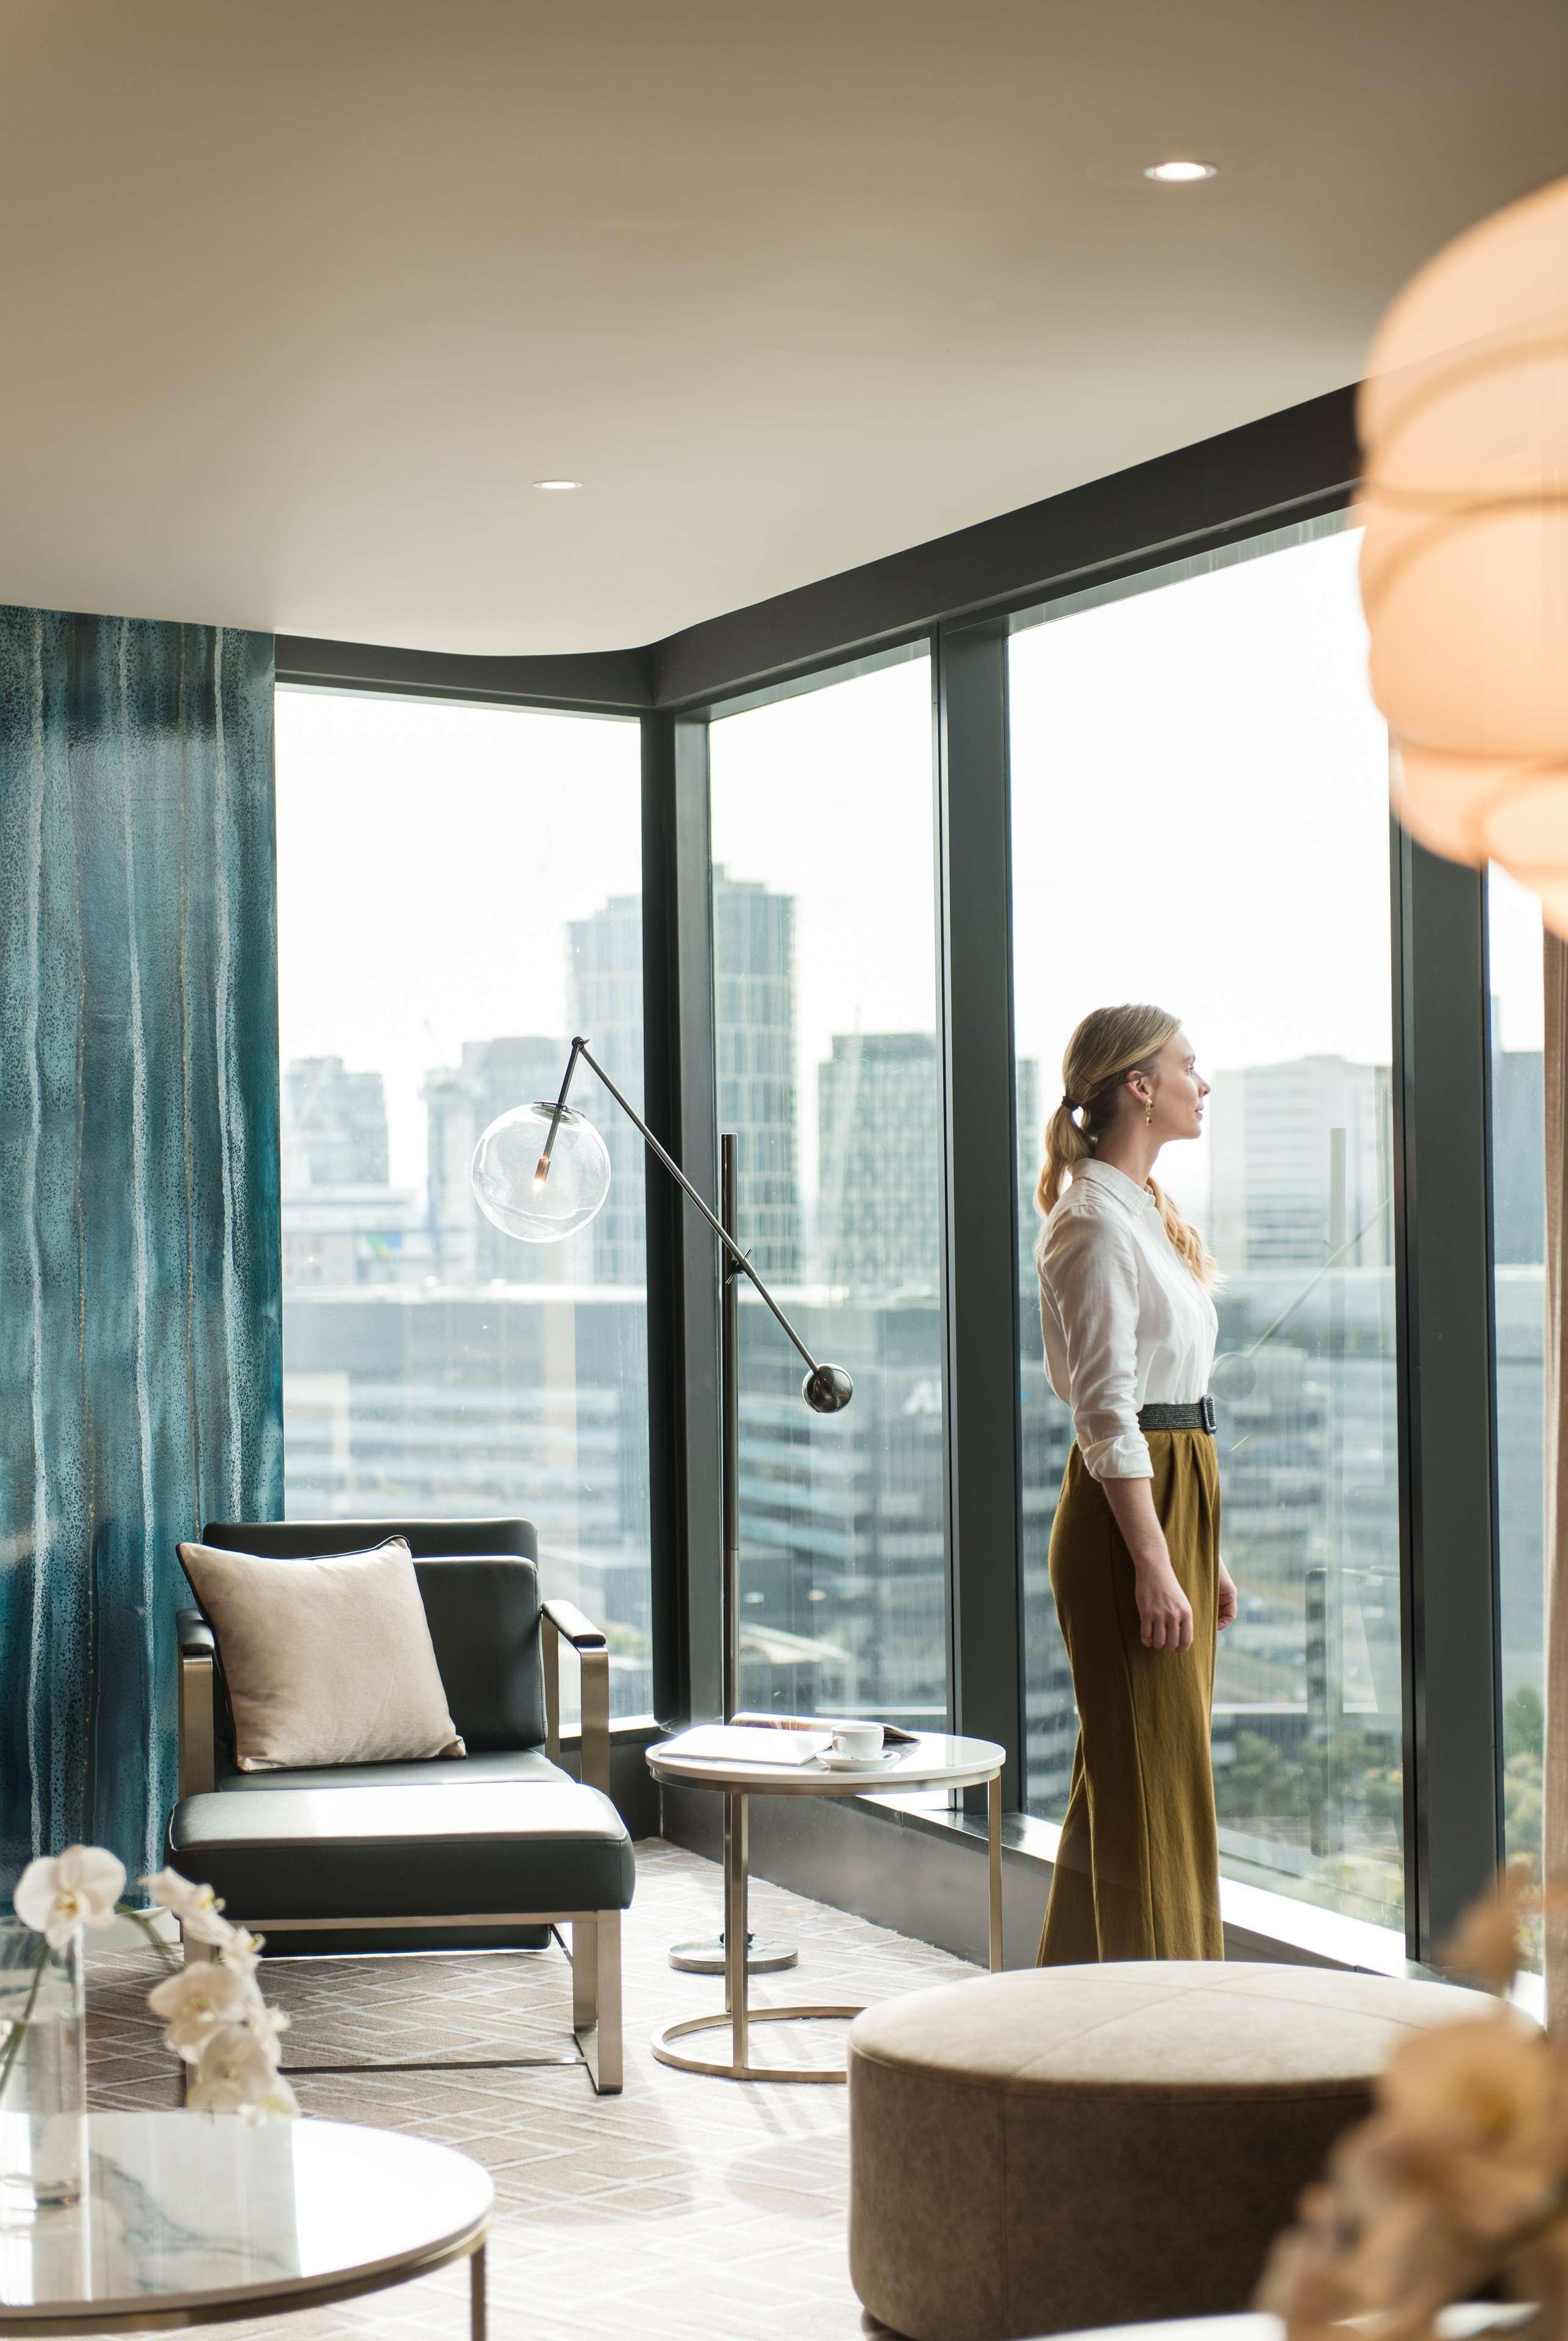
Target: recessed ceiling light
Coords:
[(558, 487), (1179, 173)]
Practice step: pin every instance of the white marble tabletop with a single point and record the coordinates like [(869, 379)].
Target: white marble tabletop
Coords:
[(930, 1759), (186, 2210), (1465, 2321)]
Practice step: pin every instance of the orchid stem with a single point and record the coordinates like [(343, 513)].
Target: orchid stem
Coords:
[(143, 1919), (19, 2023)]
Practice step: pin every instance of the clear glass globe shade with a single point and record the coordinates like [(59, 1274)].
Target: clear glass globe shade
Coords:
[(509, 1190)]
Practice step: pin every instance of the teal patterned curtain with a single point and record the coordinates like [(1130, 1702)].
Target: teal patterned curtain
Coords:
[(140, 1355)]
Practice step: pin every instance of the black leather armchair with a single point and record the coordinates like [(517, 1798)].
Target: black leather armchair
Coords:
[(499, 1851)]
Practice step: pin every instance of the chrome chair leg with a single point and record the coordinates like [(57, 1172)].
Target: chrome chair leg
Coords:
[(596, 1998)]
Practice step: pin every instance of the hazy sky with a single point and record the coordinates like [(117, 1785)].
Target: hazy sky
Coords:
[(828, 797), (1200, 793), (429, 857), (1514, 937), (1200, 818)]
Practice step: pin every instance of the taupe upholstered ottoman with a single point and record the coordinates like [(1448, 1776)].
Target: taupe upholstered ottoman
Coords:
[(1070, 2146)]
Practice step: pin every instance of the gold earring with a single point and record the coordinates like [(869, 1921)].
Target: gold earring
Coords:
[(1148, 1109)]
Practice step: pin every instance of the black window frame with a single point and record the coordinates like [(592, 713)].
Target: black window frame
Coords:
[(957, 597)]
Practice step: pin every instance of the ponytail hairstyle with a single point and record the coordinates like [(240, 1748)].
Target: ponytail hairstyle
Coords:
[(1109, 1044)]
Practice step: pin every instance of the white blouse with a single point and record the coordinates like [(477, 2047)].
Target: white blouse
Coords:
[(1127, 1322)]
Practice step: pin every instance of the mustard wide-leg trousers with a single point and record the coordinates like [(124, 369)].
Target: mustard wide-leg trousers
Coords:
[(1137, 1871)]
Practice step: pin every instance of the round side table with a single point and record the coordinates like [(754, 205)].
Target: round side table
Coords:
[(930, 1760), (194, 2220)]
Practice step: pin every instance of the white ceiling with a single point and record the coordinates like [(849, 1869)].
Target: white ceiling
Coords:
[(298, 297)]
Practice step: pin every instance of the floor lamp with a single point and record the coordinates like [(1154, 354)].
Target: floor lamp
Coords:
[(541, 1172)]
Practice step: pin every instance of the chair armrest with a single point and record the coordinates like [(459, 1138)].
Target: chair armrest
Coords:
[(198, 1703), (564, 1617), (580, 1631), (194, 1633)]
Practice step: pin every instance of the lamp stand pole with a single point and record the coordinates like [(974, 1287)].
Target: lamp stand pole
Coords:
[(730, 1425), (763, 1958)]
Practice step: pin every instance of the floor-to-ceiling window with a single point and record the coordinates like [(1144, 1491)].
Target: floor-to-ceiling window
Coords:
[(1200, 818), (829, 1074), (459, 890), (1518, 1245)]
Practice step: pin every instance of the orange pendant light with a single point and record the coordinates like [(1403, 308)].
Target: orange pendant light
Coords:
[(1464, 422)]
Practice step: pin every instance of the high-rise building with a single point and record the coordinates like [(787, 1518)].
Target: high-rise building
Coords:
[(1518, 1169), (1031, 1144), (754, 1042), (753, 976), (604, 993), (334, 1131), (419, 1404), (842, 1544), (879, 1191), (1300, 1167), (343, 1223), (880, 1161), (461, 1101)]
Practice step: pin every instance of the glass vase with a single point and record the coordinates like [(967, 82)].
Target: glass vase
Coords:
[(42, 2072)]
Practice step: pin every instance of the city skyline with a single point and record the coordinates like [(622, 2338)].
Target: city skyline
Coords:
[(504, 1070)]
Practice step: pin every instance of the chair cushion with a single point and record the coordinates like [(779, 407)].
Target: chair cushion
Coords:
[(512, 1766), (328, 1660), (1159, 2029), (482, 1610), (275, 1854)]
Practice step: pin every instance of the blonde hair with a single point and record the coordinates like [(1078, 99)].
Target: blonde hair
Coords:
[(1109, 1044)]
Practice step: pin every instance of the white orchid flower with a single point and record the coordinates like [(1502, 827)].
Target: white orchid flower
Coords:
[(278, 2103), (78, 1889), (242, 1949), (198, 2001), (197, 1907), (236, 2073)]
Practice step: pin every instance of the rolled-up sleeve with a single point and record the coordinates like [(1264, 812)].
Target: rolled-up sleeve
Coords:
[(1091, 1266)]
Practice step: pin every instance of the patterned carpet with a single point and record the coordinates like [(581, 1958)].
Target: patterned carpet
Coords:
[(685, 2210)]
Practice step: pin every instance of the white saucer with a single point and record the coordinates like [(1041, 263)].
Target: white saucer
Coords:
[(856, 1763)]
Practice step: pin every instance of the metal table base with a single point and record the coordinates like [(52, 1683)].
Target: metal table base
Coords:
[(738, 2016)]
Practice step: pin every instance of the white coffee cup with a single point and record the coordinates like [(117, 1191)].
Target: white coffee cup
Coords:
[(862, 1740)]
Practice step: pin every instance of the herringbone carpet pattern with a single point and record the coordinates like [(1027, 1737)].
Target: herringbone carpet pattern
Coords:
[(687, 2209)]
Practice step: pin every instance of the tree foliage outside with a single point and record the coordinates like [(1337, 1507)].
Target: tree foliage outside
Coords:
[(1523, 1771)]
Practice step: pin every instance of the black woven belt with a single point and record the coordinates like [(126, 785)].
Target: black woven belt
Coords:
[(1196, 1414)]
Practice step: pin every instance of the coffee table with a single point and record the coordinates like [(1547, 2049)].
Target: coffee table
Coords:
[(1465, 2321), (194, 2220), (928, 1760)]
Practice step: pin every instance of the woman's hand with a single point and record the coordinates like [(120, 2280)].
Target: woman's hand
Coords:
[(1164, 1612), (1227, 1598)]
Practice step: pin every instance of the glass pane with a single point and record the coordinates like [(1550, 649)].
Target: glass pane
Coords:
[(1519, 1248), (1200, 797), (459, 890), (826, 969)]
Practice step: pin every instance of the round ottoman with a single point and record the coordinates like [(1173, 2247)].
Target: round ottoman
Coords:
[(1070, 2146)]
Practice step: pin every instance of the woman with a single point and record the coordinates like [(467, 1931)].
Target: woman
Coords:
[(1141, 1590)]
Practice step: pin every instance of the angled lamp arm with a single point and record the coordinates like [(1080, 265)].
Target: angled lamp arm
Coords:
[(732, 1249), (826, 1389)]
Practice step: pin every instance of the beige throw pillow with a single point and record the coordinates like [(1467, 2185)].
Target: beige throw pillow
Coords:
[(327, 1662)]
